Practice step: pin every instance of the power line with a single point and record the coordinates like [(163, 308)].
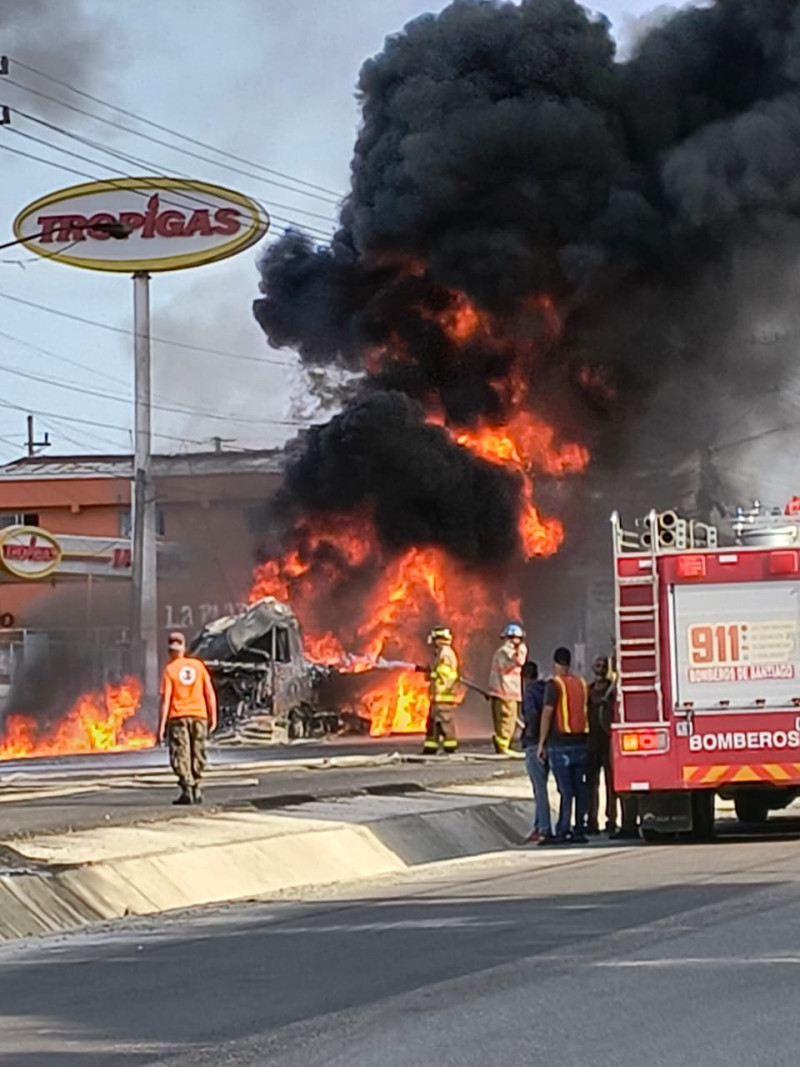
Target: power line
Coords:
[(93, 422), (329, 196), (156, 168), (174, 133), (754, 437), (84, 440), (62, 359), (156, 340), (198, 412), (115, 182)]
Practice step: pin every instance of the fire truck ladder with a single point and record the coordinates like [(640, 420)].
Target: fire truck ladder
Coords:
[(636, 614)]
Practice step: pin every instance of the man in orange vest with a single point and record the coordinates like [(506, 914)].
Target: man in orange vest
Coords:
[(563, 739), (188, 713)]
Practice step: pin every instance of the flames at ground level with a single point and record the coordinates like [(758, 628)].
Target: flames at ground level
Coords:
[(96, 722), (360, 609), (359, 604)]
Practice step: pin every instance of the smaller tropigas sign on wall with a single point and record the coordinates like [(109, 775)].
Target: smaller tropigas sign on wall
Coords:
[(170, 223), (27, 552)]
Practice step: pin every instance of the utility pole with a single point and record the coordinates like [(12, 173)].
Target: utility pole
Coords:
[(144, 612), (5, 113), (32, 443)]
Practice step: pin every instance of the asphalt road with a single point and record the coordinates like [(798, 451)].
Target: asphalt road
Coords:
[(675, 956), (73, 793)]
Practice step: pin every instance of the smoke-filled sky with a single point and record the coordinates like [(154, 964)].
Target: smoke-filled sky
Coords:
[(508, 155), (273, 82)]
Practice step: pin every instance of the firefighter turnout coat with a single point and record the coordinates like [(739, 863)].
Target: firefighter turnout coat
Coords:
[(444, 695), (444, 677)]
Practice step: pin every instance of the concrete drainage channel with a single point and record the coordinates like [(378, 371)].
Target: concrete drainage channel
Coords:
[(56, 882)]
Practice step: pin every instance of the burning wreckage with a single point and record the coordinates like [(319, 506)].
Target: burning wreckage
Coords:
[(265, 683)]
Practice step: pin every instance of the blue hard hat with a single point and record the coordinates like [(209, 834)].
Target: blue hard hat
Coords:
[(513, 630)]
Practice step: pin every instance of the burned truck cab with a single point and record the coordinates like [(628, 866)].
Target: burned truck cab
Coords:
[(263, 680)]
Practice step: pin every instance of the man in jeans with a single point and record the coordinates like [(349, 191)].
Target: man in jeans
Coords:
[(538, 771), (563, 736)]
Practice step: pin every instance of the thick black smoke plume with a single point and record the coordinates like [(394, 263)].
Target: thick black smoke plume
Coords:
[(505, 154), (436, 493)]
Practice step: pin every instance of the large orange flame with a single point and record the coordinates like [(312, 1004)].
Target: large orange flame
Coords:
[(398, 598), (408, 594), (523, 444), (97, 722)]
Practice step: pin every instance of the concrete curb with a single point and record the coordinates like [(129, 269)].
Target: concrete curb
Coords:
[(60, 882)]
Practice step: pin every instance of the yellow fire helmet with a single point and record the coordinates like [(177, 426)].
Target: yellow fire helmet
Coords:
[(440, 633)]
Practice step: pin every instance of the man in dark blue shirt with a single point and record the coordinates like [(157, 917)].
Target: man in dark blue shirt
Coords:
[(533, 689)]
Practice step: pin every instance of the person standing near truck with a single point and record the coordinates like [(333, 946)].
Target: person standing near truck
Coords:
[(188, 714), (563, 737), (533, 690), (602, 693)]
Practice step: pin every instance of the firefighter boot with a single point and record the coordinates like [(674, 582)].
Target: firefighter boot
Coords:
[(197, 795), (185, 797)]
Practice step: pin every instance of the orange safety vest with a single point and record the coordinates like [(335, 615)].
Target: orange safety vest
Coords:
[(570, 715)]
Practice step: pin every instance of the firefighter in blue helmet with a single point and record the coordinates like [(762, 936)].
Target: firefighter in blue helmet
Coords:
[(440, 730), (505, 686)]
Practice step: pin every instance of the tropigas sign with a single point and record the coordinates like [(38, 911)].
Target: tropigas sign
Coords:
[(171, 222)]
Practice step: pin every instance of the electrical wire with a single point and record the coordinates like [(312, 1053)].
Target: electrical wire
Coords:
[(121, 178), (115, 183), (167, 129), (62, 359), (755, 437), (156, 168), (94, 422), (331, 198), (85, 390), (130, 333), (85, 442)]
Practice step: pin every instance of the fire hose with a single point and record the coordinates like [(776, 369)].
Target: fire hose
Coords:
[(404, 665)]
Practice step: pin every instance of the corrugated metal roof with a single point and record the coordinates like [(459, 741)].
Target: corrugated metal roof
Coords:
[(43, 468)]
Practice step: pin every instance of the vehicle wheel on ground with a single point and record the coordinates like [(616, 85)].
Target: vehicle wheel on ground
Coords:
[(297, 724), (703, 815), (751, 808)]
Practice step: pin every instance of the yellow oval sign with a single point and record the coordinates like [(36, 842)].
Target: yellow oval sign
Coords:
[(29, 552), (168, 223)]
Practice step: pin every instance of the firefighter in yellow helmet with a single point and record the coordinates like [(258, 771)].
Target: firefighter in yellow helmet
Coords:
[(444, 694)]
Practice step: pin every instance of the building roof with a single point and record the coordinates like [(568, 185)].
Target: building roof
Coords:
[(41, 468)]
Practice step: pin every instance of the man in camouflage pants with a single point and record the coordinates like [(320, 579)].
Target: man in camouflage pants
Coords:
[(188, 712)]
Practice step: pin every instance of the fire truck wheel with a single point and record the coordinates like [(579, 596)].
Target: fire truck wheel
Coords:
[(751, 808), (702, 815)]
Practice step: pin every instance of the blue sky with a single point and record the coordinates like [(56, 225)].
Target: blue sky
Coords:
[(269, 80)]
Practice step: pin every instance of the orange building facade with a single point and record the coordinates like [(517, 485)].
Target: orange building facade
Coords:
[(210, 509)]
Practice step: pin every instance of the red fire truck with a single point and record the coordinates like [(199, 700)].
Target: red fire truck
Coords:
[(708, 668)]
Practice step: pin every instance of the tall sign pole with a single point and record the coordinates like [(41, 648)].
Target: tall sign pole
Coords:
[(164, 224), (144, 596)]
